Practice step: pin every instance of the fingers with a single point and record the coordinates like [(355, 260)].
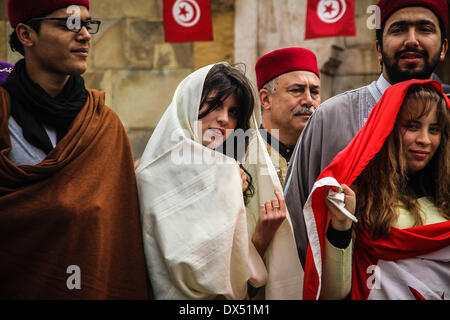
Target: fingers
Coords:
[(340, 220), (262, 211), (268, 206), (271, 209), (281, 201), (343, 188), (275, 204), (275, 208), (347, 190), (270, 215)]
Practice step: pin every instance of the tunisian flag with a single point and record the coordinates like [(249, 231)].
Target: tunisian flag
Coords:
[(330, 18), (187, 20), (428, 245)]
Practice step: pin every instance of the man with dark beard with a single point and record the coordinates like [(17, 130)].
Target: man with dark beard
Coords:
[(417, 56), (411, 42), (289, 91)]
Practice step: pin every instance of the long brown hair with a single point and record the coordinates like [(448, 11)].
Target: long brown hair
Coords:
[(385, 184)]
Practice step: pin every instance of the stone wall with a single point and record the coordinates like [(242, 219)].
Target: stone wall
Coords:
[(132, 63), (139, 71), (344, 62)]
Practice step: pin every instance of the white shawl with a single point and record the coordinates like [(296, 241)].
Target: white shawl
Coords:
[(196, 229)]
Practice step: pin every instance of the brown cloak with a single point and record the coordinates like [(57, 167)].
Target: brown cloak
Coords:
[(78, 207)]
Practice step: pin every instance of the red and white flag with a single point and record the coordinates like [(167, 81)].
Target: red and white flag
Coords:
[(330, 18), (369, 254), (411, 264), (187, 20)]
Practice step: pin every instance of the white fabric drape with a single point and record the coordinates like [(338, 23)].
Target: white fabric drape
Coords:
[(196, 229)]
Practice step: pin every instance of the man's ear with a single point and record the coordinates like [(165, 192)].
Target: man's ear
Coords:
[(26, 35), (379, 52), (444, 50), (265, 97)]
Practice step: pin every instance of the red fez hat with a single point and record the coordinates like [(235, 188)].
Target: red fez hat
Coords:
[(439, 7), (23, 10), (284, 60)]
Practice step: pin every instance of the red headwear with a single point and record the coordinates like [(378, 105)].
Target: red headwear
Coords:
[(439, 7), (23, 10), (345, 168), (284, 60)]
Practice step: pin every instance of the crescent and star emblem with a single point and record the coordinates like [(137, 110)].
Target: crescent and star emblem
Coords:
[(331, 11), (186, 12)]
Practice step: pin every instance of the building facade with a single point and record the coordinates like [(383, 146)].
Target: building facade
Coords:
[(139, 71)]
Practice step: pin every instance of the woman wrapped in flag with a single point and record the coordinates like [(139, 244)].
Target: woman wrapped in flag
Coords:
[(378, 215)]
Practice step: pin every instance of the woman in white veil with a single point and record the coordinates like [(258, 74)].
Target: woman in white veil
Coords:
[(200, 240)]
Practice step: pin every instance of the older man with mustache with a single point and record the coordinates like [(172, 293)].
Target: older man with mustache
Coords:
[(411, 42), (289, 89)]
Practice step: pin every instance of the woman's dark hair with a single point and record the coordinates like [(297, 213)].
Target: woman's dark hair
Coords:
[(14, 42), (222, 81)]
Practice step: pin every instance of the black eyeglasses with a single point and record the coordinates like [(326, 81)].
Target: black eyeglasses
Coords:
[(92, 26)]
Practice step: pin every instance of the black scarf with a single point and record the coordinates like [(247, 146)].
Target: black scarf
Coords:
[(284, 150), (32, 107)]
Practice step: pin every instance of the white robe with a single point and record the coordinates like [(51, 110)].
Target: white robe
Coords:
[(196, 228)]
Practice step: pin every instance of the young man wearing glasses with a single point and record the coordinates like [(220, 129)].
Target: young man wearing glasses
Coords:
[(68, 201)]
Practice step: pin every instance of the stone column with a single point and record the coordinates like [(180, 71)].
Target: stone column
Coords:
[(246, 35)]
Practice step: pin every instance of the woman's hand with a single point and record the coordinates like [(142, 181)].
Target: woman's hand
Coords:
[(340, 221), (271, 216), (243, 177)]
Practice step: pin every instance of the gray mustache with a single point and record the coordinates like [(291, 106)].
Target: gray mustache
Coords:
[(304, 111)]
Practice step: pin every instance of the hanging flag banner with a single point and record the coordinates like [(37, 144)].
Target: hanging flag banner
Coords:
[(187, 20), (330, 18)]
